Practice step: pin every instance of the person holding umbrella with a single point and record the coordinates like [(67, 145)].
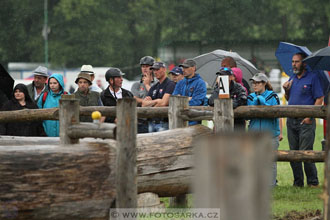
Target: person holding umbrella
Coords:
[(303, 88)]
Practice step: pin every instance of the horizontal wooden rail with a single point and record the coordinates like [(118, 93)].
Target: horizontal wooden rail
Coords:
[(95, 130), (191, 113)]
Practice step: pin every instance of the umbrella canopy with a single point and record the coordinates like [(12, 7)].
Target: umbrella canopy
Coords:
[(6, 82), (284, 54), (320, 60), (208, 64)]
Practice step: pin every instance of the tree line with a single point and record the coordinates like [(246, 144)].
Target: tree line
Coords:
[(119, 32)]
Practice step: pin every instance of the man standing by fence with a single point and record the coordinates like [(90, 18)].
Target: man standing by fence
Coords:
[(38, 86), (303, 88), (192, 86), (159, 96)]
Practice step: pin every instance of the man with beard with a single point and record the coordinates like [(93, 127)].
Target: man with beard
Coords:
[(303, 88)]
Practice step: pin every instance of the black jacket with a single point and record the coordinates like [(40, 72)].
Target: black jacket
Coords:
[(32, 128), (109, 100), (237, 94)]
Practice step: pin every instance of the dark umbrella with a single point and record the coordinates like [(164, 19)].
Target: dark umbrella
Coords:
[(208, 64), (6, 82), (284, 54), (320, 60)]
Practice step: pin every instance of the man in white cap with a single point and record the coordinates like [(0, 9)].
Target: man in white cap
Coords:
[(89, 69), (38, 85)]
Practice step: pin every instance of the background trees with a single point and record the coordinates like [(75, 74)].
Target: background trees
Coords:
[(119, 32)]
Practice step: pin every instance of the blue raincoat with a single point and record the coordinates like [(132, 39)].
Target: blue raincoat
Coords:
[(52, 127)]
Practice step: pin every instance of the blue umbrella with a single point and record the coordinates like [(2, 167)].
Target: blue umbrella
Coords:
[(320, 60), (284, 54)]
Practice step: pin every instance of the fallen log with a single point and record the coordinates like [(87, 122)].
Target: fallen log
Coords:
[(299, 156), (77, 181)]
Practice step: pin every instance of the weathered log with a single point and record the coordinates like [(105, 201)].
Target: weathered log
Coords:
[(96, 130), (299, 156), (55, 182), (193, 113)]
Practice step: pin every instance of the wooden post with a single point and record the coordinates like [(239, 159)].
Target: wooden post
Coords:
[(223, 117), (68, 115), (233, 173), (326, 190), (126, 174), (176, 105)]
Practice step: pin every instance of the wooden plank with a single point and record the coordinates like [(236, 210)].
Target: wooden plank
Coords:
[(234, 174), (326, 190), (94, 130), (69, 115), (126, 175), (223, 117)]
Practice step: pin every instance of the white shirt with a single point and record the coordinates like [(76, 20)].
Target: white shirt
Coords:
[(119, 94)]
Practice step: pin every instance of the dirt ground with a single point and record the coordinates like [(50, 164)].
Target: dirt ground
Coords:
[(293, 215)]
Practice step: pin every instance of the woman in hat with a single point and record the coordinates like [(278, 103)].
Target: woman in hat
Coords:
[(264, 95), (51, 100), (21, 100)]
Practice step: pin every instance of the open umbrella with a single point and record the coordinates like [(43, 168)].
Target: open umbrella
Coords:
[(208, 64), (6, 82), (284, 54), (320, 60)]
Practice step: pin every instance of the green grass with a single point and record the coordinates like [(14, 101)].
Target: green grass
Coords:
[(286, 197)]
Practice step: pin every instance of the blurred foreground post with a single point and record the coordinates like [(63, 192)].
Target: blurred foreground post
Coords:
[(233, 173), (68, 115), (176, 105), (326, 190), (126, 172)]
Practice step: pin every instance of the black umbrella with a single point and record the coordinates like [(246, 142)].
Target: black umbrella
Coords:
[(6, 82), (320, 60)]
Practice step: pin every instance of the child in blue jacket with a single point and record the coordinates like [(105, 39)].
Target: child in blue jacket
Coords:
[(264, 95)]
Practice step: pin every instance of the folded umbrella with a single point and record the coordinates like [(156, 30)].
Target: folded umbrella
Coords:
[(6, 82), (208, 64), (320, 60)]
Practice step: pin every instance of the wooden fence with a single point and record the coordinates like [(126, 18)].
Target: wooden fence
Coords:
[(78, 179)]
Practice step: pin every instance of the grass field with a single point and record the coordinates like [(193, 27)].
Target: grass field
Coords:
[(286, 197)]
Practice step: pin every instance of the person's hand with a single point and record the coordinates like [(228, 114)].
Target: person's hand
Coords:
[(148, 98), (262, 100), (280, 137), (147, 79), (287, 85), (307, 121), (255, 101)]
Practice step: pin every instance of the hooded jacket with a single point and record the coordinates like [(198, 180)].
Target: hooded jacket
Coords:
[(194, 87), (32, 128), (52, 127), (264, 124)]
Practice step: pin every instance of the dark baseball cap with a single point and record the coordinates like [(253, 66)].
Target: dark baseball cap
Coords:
[(188, 63), (176, 71), (158, 65), (225, 71)]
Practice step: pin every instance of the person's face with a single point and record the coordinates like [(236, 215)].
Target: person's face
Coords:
[(297, 64), (83, 85), (92, 77), (159, 73), (19, 96), (145, 69), (188, 72), (116, 81), (39, 81), (258, 87), (54, 85), (174, 77)]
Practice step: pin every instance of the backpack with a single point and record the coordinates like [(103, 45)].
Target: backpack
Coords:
[(44, 96)]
